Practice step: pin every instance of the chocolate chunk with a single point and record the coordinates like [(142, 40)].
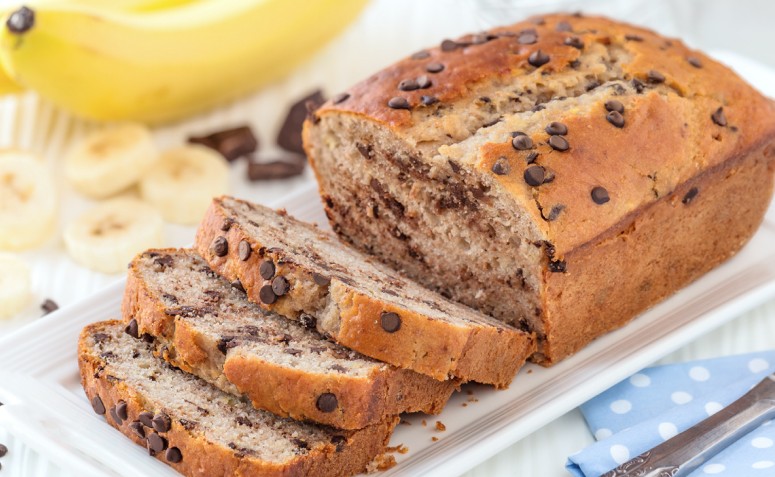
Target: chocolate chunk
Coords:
[(408, 85), (138, 429), (230, 143), (20, 20), (390, 321), (559, 143), (308, 321), (557, 266), (266, 295), (300, 443), (280, 286), (450, 45), (563, 26), (531, 158), (501, 166), (615, 118), (339, 442), (237, 285), (266, 269), (638, 85), (655, 76), (633, 37), (156, 443), (367, 151), (600, 195), (614, 105), (423, 82), (555, 128), (48, 306), (132, 329), (719, 117), (244, 250), (534, 175), (398, 103), (340, 98), (173, 455), (96, 404), (527, 37), (429, 100), (121, 410), (227, 223), (326, 402), (575, 42), (321, 280), (522, 143), (690, 195), (421, 55), (538, 58), (694, 61), (434, 67), (220, 246), (146, 418), (289, 166), (161, 422), (115, 417), (289, 137), (554, 212)]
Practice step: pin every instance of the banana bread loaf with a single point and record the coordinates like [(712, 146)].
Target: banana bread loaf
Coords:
[(206, 327), (561, 174), (297, 270), (200, 430)]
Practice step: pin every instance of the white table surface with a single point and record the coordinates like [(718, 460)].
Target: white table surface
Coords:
[(388, 30)]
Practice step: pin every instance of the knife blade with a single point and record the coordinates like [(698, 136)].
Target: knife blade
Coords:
[(685, 452)]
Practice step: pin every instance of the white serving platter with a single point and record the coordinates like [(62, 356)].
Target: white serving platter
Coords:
[(46, 409)]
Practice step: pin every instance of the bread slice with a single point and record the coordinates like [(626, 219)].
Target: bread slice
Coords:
[(299, 271), (207, 327), (561, 174), (200, 430)]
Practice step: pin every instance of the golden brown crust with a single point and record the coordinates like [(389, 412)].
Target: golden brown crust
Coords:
[(422, 344), (202, 457), (284, 391)]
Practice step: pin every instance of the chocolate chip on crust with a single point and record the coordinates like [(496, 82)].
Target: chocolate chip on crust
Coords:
[(527, 37), (121, 410), (321, 280), (557, 266), (244, 250), (719, 117), (327, 402), (138, 429), (156, 443), (434, 67), (115, 417), (450, 45), (501, 167), (398, 102), (600, 195), (615, 118), (538, 58), (226, 225), (556, 129), (132, 329), (161, 422), (173, 455), (220, 246), (694, 61), (408, 85), (522, 143), (280, 286), (429, 100), (421, 55), (146, 418), (266, 295), (237, 285), (563, 26), (97, 405), (575, 42), (655, 76), (390, 321), (534, 175), (690, 195), (614, 105), (559, 143), (266, 269)]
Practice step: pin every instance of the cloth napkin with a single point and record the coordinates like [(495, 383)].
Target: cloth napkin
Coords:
[(659, 402)]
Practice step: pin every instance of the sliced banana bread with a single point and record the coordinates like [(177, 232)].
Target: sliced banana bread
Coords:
[(207, 327), (299, 271), (561, 174), (200, 430)]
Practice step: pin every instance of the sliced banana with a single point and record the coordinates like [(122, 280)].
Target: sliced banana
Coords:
[(108, 236), (14, 285), (28, 201), (110, 160), (184, 181)]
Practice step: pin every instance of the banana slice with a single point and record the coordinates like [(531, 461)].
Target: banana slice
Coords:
[(184, 181), (108, 161), (28, 201), (108, 236), (14, 285)]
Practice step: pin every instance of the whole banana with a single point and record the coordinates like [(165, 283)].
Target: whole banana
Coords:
[(164, 64)]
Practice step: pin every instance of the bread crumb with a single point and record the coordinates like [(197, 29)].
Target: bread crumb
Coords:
[(470, 392), (473, 399), (440, 426), (381, 463), (400, 448), (465, 404), (529, 371), (424, 423), (435, 439)]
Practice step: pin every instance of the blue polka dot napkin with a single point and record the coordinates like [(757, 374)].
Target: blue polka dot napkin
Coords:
[(658, 403)]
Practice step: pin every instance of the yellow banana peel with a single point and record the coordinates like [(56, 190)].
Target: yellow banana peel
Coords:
[(165, 64), (8, 85)]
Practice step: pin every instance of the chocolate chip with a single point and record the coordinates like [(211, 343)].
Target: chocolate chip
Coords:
[(96, 404), (288, 166), (326, 402), (429, 100), (434, 67), (563, 26), (230, 143), (220, 246), (3, 450), (244, 250), (575, 42), (132, 329), (534, 175), (600, 195), (115, 417), (633, 37), (555, 128), (398, 103), (531, 158), (423, 82), (156, 443), (559, 143), (266, 295), (161, 422), (340, 98), (501, 166), (339, 442), (227, 223), (538, 58), (300, 443), (557, 266), (146, 418), (408, 85), (655, 76), (308, 321), (554, 212), (517, 133), (527, 37), (615, 118), (719, 117), (450, 45), (614, 105), (266, 269), (421, 55), (48, 306), (138, 429), (237, 285), (390, 321), (690, 195), (522, 143), (638, 85), (694, 61), (173, 455), (280, 286), (289, 136), (20, 21), (321, 280), (121, 410)]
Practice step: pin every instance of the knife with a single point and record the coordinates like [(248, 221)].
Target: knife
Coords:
[(685, 452)]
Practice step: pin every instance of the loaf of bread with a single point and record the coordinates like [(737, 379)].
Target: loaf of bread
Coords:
[(303, 273), (562, 174), (206, 327), (200, 430)]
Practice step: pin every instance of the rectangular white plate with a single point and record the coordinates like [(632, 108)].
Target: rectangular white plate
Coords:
[(46, 408)]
